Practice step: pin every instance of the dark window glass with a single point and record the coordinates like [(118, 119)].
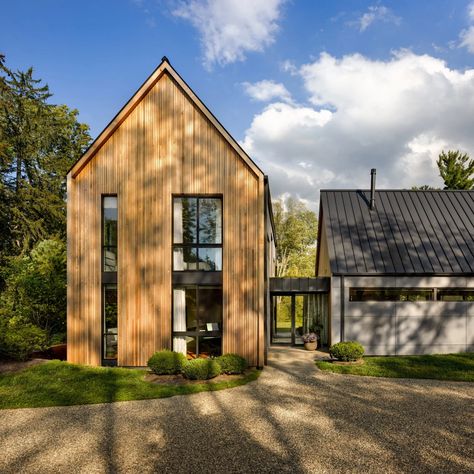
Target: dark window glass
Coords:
[(390, 294), (109, 217), (185, 220), (210, 259), (110, 328), (197, 314), (197, 234), (210, 221), (454, 294)]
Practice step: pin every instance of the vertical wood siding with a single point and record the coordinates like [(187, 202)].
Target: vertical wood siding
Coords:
[(165, 146)]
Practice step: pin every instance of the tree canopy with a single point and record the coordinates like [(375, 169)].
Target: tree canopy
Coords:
[(456, 169), (39, 142), (296, 229)]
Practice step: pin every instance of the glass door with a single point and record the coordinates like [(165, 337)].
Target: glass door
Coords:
[(282, 320)]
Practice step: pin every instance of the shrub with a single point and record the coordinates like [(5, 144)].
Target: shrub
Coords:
[(347, 351), (232, 363), (18, 340), (166, 362), (201, 369)]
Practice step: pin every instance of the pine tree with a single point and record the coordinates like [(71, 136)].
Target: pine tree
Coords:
[(456, 169), (39, 142)]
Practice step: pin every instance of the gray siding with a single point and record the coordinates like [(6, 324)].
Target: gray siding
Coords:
[(403, 327)]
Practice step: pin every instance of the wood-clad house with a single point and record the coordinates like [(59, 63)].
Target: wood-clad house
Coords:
[(170, 237)]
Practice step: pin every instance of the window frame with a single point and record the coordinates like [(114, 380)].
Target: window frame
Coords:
[(107, 278), (197, 334), (400, 290), (197, 245)]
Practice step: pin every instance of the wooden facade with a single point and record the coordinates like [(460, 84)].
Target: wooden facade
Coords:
[(164, 142)]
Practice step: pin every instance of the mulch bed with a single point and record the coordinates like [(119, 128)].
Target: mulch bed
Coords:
[(10, 366), (180, 380)]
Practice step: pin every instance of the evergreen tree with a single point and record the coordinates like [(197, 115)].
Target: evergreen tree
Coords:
[(456, 169), (39, 142)]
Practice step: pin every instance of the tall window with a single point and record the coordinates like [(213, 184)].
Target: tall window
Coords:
[(109, 280), (197, 320), (197, 234), (110, 332), (109, 213)]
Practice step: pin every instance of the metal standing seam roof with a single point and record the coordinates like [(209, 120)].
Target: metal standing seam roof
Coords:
[(408, 232)]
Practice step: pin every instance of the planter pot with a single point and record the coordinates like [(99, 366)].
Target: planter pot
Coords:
[(311, 346)]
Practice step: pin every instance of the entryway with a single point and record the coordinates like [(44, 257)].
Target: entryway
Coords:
[(299, 306)]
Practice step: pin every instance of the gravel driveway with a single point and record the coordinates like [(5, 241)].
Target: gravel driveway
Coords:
[(293, 419)]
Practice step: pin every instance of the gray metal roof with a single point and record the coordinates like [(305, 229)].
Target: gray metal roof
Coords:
[(408, 232)]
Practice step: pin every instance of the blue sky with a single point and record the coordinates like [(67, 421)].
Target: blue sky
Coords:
[(318, 92)]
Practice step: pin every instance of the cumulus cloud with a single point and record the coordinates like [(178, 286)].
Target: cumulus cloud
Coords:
[(395, 115), (377, 13), (265, 90), (467, 36), (231, 28)]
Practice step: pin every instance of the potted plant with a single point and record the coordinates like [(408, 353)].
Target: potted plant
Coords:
[(310, 340)]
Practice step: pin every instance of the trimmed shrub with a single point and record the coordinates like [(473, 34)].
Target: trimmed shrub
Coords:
[(166, 362), (347, 351), (19, 340), (232, 363), (201, 369)]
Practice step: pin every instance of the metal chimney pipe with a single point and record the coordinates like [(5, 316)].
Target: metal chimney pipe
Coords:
[(373, 172)]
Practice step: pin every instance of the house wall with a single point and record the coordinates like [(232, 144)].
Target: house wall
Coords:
[(165, 146), (403, 327)]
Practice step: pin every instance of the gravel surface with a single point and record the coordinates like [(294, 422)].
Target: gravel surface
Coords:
[(294, 418)]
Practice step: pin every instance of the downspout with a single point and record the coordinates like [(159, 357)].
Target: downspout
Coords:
[(265, 274), (342, 307)]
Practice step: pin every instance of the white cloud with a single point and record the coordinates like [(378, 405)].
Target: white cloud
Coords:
[(467, 35), (231, 28), (265, 90), (395, 115), (374, 14)]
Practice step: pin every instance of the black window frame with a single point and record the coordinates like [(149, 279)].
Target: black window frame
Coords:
[(464, 292), (198, 333), (108, 278), (353, 297), (108, 360), (197, 245)]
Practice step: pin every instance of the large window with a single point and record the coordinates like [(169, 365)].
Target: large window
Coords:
[(391, 294), (197, 320), (109, 330), (109, 233), (197, 234)]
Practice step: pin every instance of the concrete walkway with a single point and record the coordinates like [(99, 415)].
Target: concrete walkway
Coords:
[(293, 419)]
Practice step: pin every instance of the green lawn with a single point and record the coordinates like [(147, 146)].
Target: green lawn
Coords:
[(458, 367), (59, 383)]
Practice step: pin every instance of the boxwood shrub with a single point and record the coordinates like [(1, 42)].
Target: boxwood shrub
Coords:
[(166, 362), (201, 369), (232, 363), (347, 351)]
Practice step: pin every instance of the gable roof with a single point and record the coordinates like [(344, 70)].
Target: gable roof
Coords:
[(164, 67), (408, 232)]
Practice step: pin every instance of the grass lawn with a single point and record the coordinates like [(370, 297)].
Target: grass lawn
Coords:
[(60, 383), (458, 367)]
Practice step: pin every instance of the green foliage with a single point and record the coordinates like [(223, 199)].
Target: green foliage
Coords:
[(39, 142), (456, 169), (296, 230), (166, 362), (18, 340), (35, 291), (59, 383), (232, 364), (201, 369), (347, 351), (440, 366)]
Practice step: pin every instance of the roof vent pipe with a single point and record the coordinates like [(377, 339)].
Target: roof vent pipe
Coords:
[(373, 172)]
